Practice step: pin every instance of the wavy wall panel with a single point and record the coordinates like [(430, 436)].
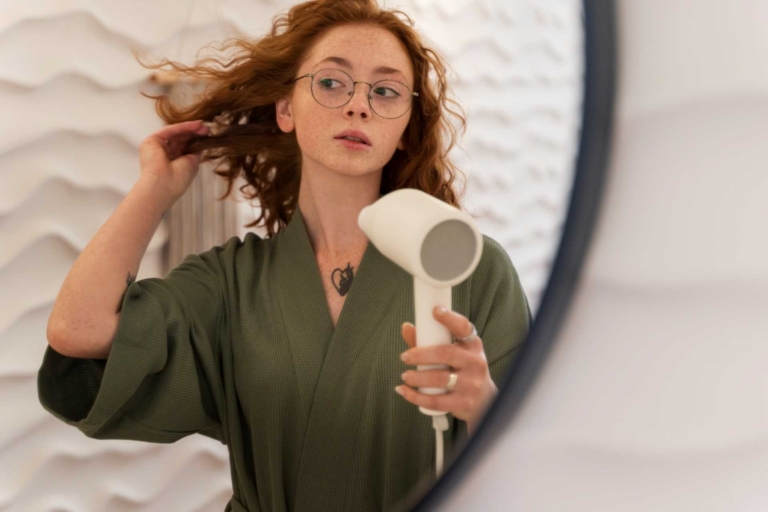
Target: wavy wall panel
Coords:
[(71, 154)]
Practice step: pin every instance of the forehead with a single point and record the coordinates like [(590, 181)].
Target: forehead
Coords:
[(366, 48)]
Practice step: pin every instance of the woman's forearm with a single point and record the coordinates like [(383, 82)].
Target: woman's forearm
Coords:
[(86, 311)]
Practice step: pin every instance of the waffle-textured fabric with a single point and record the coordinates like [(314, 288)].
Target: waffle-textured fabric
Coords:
[(237, 344)]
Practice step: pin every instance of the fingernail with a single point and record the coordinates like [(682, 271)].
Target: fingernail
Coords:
[(398, 390), (402, 376), (405, 356), (441, 311)]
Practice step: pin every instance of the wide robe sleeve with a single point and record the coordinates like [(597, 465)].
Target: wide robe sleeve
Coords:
[(509, 316), (501, 314), (160, 381)]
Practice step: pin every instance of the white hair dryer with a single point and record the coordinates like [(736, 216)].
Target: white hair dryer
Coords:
[(438, 244)]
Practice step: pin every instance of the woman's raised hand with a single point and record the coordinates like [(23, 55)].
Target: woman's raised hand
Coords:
[(163, 161)]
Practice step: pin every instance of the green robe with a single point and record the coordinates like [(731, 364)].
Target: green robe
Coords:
[(237, 344)]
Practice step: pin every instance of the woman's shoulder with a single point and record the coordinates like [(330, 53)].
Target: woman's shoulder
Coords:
[(495, 261), (495, 275), (236, 252), (250, 242)]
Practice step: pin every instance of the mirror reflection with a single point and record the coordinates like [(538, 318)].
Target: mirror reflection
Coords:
[(272, 277)]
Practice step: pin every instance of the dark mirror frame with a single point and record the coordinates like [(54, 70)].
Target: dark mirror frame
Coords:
[(591, 171)]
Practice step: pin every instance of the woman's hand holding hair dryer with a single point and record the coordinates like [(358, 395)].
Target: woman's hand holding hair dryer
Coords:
[(474, 389)]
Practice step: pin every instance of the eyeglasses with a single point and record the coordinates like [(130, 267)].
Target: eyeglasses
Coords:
[(333, 88)]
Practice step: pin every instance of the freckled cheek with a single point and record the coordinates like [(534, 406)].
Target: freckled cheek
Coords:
[(311, 128), (313, 138)]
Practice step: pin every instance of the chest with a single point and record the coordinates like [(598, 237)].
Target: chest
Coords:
[(337, 277), (335, 305)]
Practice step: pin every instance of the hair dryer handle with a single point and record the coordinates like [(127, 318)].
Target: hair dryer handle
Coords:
[(429, 331)]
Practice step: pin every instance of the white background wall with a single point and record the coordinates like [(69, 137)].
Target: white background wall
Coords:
[(69, 91), (656, 394)]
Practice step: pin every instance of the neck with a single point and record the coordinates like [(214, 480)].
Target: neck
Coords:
[(330, 203)]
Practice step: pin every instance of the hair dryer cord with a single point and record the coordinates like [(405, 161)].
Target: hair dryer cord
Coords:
[(440, 424)]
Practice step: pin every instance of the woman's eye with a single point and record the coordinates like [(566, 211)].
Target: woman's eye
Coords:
[(386, 92), (326, 82)]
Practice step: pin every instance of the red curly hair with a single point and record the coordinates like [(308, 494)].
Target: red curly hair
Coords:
[(240, 96)]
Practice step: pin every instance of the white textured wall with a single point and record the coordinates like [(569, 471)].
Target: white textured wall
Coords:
[(656, 394), (69, 89)]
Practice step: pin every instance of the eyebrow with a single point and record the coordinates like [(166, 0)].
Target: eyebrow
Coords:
[(341, 61)]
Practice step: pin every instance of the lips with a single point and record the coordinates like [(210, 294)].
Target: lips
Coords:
[(354, 133)]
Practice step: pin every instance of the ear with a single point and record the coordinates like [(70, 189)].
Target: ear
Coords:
[(284, 115), (401, 145)]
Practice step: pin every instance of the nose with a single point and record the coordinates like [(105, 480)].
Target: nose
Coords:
[(358, 103)]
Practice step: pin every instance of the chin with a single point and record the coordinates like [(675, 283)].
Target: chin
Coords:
[(353, 170), (354, 166)]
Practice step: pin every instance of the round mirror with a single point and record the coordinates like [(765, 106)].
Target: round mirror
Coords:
[(536, 108)]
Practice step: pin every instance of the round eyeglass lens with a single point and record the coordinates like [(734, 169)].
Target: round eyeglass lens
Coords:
[(390, 99), (333, 88)]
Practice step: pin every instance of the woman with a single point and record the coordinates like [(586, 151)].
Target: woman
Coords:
[(332, 109)]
